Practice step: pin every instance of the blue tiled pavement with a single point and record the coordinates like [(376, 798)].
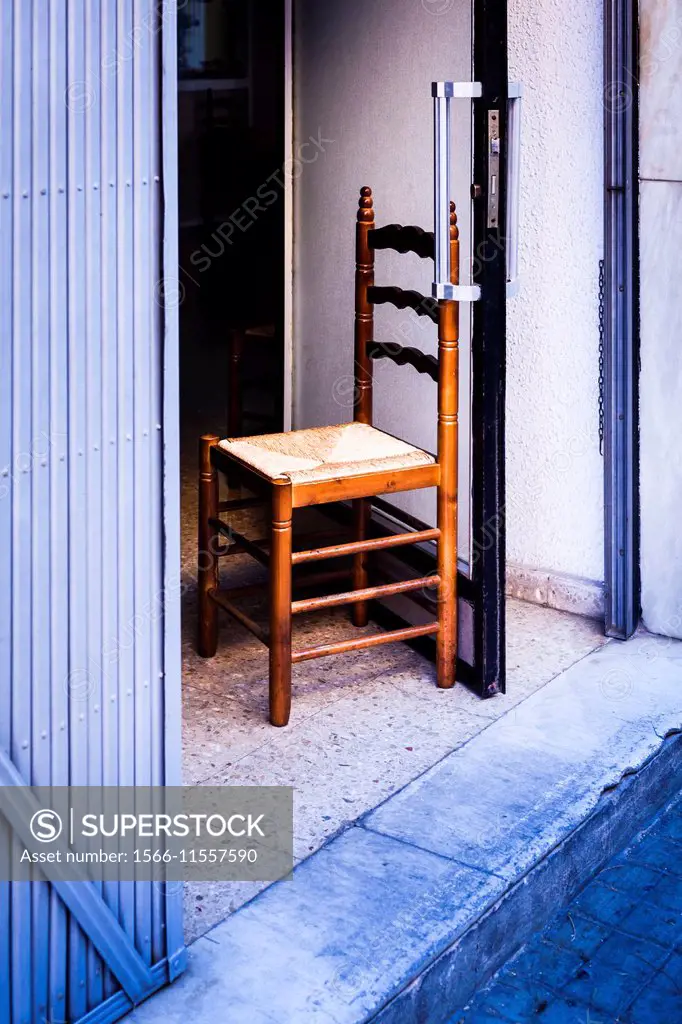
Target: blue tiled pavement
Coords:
[(613, 955)]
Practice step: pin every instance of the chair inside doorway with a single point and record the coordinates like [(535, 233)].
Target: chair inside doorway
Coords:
[(349, 462)]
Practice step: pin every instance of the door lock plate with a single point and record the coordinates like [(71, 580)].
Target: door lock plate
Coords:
[(493, 168)]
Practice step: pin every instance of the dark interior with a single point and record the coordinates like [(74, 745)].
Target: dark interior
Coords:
[(231, 152)]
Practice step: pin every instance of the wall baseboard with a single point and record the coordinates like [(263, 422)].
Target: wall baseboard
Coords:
[(557, 590)]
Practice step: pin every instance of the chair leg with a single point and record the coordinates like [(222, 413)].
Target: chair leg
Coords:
[(446, 638), (207, 561), (280, 605), (361, 514)]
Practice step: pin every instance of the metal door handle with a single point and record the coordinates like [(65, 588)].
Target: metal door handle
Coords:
[(443, 93), (514, 94)]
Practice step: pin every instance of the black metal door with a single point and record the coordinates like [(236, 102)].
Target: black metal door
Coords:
[(486, 585)]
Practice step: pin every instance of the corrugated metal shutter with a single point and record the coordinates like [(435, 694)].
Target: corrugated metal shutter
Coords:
[(85, 677)]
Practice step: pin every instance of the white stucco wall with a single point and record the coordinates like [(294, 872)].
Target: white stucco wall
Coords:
[(554, 469), (660, 156)]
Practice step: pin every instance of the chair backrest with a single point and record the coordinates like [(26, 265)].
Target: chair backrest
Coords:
[(445, 313)]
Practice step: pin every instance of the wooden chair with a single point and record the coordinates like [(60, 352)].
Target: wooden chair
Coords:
[(353, 461)]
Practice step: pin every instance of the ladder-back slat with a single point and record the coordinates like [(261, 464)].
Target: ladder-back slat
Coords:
[(403, 239), (403, 355), (423, 305)]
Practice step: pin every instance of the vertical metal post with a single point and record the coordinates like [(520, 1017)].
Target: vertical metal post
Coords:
[(442, 186), (621, 341)]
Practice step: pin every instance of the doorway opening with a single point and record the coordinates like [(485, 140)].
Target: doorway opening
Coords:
[(366, 723)]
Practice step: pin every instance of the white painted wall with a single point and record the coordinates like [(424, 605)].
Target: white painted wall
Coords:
[(554, 469), (661, 315)]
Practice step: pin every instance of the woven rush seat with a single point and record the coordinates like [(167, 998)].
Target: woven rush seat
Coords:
[(325, 453)]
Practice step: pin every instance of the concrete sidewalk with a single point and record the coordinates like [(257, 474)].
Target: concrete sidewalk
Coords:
[(406, 913)]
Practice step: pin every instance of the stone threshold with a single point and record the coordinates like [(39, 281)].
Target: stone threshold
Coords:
[(402, 916), (559, 590)]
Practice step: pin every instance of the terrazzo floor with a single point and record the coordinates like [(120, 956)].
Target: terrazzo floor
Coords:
[(363, 725)]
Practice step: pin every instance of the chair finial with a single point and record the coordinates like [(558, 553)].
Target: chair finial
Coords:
[(454, 230), (366, 205)]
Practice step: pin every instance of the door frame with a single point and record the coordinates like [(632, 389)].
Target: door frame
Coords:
[(489, 334), (621, 318), (169, 291), (288, 382)]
